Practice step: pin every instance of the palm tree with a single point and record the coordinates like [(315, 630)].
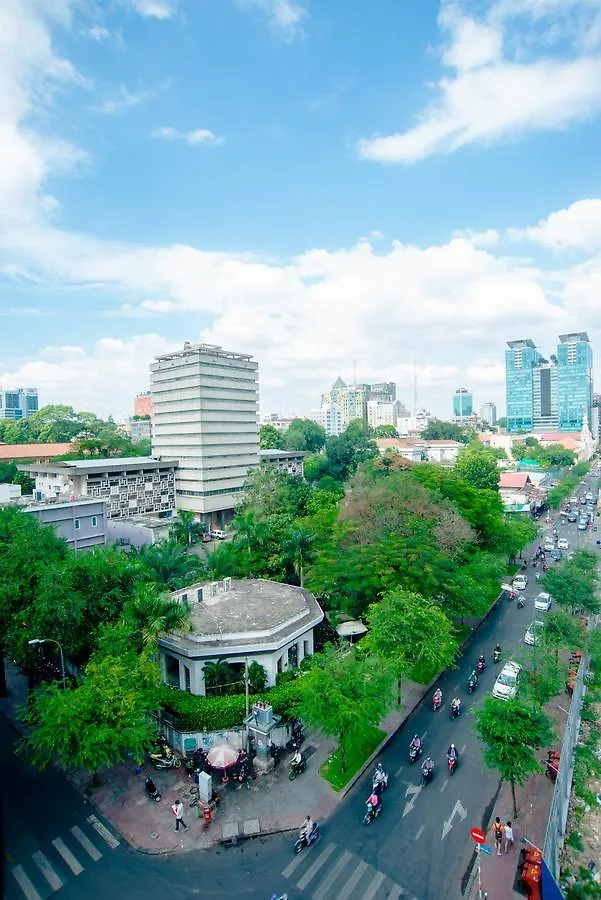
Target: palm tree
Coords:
[(150, 613), (297, 549), (248, 532), (218, 675), (185, 528), (170, 565)]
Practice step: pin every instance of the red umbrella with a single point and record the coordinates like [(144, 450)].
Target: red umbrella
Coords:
[(222, 756)]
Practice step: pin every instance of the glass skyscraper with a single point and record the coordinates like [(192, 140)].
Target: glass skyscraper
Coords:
[(520, 362), (18, 403), (463, 404), (574, 381)]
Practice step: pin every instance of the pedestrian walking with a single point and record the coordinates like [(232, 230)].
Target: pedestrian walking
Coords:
[(178, 811), (498, 831), (508, 837)]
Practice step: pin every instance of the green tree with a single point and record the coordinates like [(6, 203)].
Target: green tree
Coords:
[(316, 467), (407, 630), (169, 565), (297, 550), (574, 582), (257, 678), (438, 430), (511, 731), (478, 467), (304, 434), (249, 533), (345, 695), (270, 438), (561, 632), (186, 529), (502, 422), (385, 431), (100, 722), (149, 613), (219, 676)]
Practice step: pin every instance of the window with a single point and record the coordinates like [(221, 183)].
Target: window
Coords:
[(94, 522), (77, 524)]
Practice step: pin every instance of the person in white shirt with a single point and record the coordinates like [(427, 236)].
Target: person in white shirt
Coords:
[(508, 837), (178, 811)]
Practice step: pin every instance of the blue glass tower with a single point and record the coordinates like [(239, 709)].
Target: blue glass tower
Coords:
[(574, 381), (520, 362)]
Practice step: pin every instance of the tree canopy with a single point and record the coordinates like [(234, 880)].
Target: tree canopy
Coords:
[(478, 466), (437, 430)]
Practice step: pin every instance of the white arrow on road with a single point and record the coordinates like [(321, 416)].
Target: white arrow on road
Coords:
[(412, 791), (458, 810)]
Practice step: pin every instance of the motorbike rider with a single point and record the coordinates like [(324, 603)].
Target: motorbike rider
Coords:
[(482, 661), (427, 767), (497, 650), (473, 677), (297, 759), (375, 801), (416, 743), (437, 697), (452, 753), (380, 779), (306, 828), (456, 706)]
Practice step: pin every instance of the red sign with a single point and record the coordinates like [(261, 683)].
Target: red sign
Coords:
[(478, 835)]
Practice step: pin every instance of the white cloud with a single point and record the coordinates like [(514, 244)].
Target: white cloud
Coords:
[(156, 9), (196, 137), (126, 99), (286, 16), (493, 96), (97, 33), (576, 228)]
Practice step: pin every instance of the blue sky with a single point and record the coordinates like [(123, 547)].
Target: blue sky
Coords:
[(320, 184)]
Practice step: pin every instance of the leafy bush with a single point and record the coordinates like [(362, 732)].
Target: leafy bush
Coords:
[(196, 713)]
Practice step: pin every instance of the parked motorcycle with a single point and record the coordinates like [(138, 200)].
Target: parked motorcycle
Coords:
[(174, 762), (305, 840), (151, 789), (373, 811)]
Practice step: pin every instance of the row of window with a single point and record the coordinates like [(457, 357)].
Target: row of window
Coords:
[(93, 522), (232, 490)]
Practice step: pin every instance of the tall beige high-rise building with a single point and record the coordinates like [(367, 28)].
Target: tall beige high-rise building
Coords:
[(206, 415)]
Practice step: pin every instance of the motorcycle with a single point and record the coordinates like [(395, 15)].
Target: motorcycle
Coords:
[(414, 753), (480, 666), (497, 656), (472, 685), (296, 769), (151, 789), (455, 711), (372, 812), (437, 700), (452, 764), (427, 775), (305, 840), (174, 762), (521, 603), (380, 780)]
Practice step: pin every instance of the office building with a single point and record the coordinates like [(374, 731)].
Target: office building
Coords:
[(384, 391), (520, 361), (139, 430), (596, 420), (463, 405), (329, 416), (206, 415), (555, 395), (18, 403), (574, 381), (353, 402), (143, 404), (488, 413)]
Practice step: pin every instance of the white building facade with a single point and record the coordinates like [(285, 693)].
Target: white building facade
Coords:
[(206, 415), (329, 417)]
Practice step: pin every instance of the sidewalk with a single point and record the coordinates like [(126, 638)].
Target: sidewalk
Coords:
[(269, 804)]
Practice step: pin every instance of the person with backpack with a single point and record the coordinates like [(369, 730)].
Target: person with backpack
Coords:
[(498, 830)]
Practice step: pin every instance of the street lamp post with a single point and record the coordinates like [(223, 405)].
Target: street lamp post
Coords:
[(34, 643)]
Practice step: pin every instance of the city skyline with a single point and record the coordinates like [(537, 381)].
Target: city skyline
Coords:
[(282, 178)]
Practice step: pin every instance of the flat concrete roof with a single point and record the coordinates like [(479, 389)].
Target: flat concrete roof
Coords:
[(254, 612), (97, 466), (281, 454)]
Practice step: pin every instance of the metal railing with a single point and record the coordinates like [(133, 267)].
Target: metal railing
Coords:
[(560, 804)]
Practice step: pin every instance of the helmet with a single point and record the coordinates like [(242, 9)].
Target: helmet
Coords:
[(415, 737), (452, 746)]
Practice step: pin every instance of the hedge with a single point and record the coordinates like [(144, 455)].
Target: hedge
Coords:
[(196, 713)]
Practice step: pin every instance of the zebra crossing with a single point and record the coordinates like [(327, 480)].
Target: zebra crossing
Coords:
[(47, 872), (327, 872)]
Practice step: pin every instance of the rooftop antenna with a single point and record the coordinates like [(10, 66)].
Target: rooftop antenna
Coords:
[(414, 389)]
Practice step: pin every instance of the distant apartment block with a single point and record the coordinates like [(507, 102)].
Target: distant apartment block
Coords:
[(289, 462), (139, 430), (282, 423), (130, 486), (205, 414), (488, 413), (329, 417), (375, 402), (18, 403), (143, 404)]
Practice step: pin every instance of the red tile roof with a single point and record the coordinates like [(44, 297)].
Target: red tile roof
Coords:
[(33, 451), (514, 480)]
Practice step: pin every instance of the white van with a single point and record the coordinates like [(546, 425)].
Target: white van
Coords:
[(217, 534)]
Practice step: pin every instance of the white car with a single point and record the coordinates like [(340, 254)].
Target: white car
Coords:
[(217, 534), (519, 582), (533, 632), (549, 545), (543, 602), (563, 544), (506, 685)]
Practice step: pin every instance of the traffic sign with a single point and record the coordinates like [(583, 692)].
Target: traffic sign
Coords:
[(478, 835), (485, 849)]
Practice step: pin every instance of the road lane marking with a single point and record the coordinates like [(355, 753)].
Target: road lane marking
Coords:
[(103, 832), (45, 867), (86, 843), (323, 890), (462, 751), (371, 891), (398, 772), (292, 866), (419, 833), (25, 884), (353, 881), (68, 857), (444, 785), (424, 734), (315, 867)]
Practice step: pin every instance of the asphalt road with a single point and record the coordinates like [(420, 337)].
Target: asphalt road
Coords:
[(419, 847)]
